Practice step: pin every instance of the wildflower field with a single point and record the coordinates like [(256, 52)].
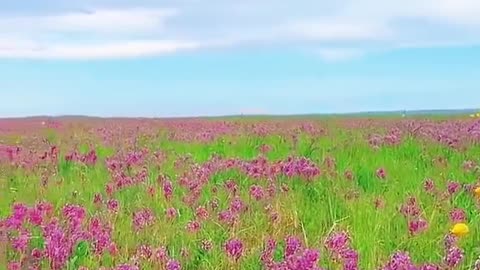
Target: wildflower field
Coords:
[(249, 193)]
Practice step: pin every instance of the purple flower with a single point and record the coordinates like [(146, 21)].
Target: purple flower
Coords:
[(256, 192), (167, 189), (201, 213), (112, 205), (58, 245), (429, 186), (449, 241), (453, 187), (161, 254), (193, 226), (143, 218), (417, 226), (101, 235), (15, 221), (336, 242), (237, 205), (400, 260), (231, 186), (429, 266), (410, 208), (20, 243), (293, 244), (453, 257), (350, 259), (35, 216), (173, 265), (234, 248), (227, 217), (74, 214), (127, 267), (457, 215), (145, 252), (36, 254), (97, 198), (309, 258)]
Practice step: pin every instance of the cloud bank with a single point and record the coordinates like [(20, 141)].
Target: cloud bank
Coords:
[(334, 31)]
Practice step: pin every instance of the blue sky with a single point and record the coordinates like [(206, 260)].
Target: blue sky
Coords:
[(182, 58)]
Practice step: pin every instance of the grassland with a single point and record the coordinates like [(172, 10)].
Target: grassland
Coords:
[(240, 194)]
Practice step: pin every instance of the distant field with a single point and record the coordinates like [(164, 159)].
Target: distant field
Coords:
[(337, 192)]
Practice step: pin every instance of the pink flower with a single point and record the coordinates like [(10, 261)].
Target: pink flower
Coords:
[(429, 186), (256, 192), (161, 254), (227, 217), (417, 226), (410, 208), (193, 226), (145, 252), (35, 216), (20, 243), (37, 254), (14, 266), (201, 213), (381, 173), (237, 205), (171, 213), (337, 241), (112, 205), (112, 249), (231, 186), (143, 218), (400, 260), (167, 189)]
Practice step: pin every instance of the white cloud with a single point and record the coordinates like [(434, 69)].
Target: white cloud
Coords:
[(337, 30), (140, 28), (109, 34), (110, 21), (119, 49), (104, 21)]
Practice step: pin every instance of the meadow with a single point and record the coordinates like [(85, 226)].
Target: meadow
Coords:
[(338, 193)]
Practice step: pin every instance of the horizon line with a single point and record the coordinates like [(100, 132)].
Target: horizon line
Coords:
[(353, 113)]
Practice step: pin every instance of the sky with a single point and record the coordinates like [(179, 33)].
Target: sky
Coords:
[(164, 58)]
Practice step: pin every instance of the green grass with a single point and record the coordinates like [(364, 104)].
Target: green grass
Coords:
[(309, 210)]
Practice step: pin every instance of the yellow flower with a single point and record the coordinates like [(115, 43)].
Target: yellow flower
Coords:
[(478, 114), (460, 229), (472, 115), (476, 191)]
